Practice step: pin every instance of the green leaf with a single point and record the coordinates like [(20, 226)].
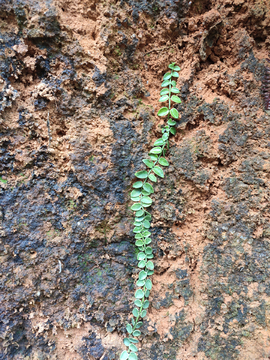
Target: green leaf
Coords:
[(133, 356), (152, 178), (146, 193), (167, 76), (129, 327), (175, 90), (142, 264), (148, 241), (132, 347), (163, 111), (153, 157), (146, 304), (174, 114), (126, 342), (165, 136), (136, 333), (146, 224), (139, 295), (138, 184), (124, 355), (135, 341), (135, 312), (176, 68), (163, 98), (173, 130), (148, 284), (141, 256), (136, 207), (155, 150), (140, 212), (139, 243), (140, 283), (148, 187), (165, 83), (141, 174), (147, 293), (139, 324), (146, 233), (148, 163), (137, 229), (176, 99), (157, 170), (171, 122), (159, 142), (150, 272), (148, 250), (135, 193), (164, 92), (150, 265), (171, 66), (173, 83), (163, 162), (138, 236), (175, 74), (150, 256), (146, 200), (142, 275), (138, 303), (135, 198), (148, 217), (143, 313)]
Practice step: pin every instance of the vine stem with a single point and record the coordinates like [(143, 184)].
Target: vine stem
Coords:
[(144, 245), (143, 217)]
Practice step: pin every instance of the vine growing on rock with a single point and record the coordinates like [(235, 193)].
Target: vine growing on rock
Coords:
[(142, 201)]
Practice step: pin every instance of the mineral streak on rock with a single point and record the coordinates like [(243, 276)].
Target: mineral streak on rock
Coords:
[(79, 90)]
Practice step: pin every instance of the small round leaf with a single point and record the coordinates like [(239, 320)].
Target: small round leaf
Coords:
[(152, 178), (164, 92), (133, 356), (163, 162), (129, 327), (137, 184), (176, 99), (142, 275), (163, 98), (150, 265), (159, 142), (174, 114), (163, 111), (136, 207), (138, 295), (148, 284), (141, 174), (148, 187), (157, 170), (138, 302), (124, 355), (155, 150), (148, 163), (167, 76)]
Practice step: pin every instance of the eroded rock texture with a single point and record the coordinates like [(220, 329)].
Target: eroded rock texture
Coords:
[(80, 84)]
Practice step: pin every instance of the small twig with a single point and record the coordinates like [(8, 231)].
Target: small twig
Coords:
[(49, 130), (160, 49), (60, 266)]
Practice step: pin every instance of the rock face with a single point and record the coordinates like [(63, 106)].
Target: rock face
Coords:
[(80, 85)]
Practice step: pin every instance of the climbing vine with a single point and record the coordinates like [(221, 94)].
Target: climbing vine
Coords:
[(142, 201)]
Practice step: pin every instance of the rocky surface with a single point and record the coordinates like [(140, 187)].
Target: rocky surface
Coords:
[(79, 89)]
